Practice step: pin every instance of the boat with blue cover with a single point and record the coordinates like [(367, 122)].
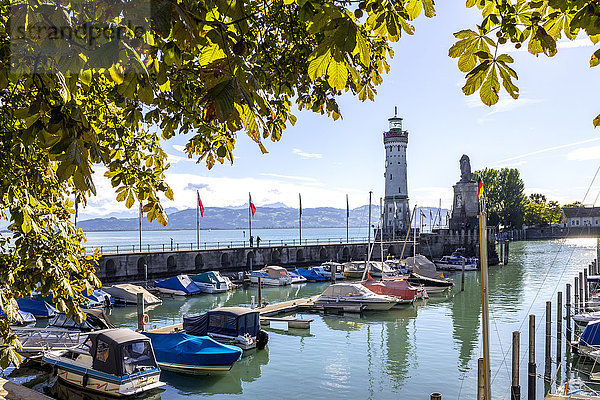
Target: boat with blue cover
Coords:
[(310, 275), (22, 318), (296, 278), (271, 275), (180, 285), (589, 340), (39, 308), (189, 354), (100, 296), (211, 282), (115, 362), (238, 326)]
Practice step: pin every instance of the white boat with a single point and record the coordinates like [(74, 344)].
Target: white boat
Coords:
[(127, 294), (326, 268), (354, 295), (115, 362), (211, 282), (583, 319), (455, 263), (297, 278), (180, 285), (272, 276)]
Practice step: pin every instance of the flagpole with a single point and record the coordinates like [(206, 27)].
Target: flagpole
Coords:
[(249, 215), (300, 216), (197, 219), (140, 220), (483, 260), (347, 218), (369, 245)]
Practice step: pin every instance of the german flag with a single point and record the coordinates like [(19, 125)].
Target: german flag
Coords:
[(480, 189)]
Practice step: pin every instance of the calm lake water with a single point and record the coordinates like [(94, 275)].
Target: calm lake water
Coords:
[(401, 354)]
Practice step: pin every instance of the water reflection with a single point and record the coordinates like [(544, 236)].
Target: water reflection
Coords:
[(63, 391)]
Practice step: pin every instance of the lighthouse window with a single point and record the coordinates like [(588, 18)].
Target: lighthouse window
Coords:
[(390, 177), (399, 190)]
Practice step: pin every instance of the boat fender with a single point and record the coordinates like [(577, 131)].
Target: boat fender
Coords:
[(262, 338), (85, 379), (145, 319)]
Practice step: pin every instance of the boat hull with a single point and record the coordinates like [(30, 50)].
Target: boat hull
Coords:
[(209, 288), (174, 292), (103, 383), (455, 267), (194, 369), (363, 305), (271, 281)]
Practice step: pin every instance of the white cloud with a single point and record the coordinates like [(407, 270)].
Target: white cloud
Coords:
[(584, 153), (504, 104), (553, 148), (179, 147), (306, 155), (299, 178)]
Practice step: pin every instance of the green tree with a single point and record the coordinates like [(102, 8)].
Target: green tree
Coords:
[(505, 198), (481, 52), (109, 95), (575, 204), (540, 211)]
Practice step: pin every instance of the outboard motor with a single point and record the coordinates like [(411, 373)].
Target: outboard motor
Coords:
[(262, 338)]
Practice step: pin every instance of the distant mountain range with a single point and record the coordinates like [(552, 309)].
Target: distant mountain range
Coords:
[(272, 216)]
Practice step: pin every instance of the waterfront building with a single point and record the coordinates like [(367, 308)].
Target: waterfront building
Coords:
[(396, 212), (581, 216)]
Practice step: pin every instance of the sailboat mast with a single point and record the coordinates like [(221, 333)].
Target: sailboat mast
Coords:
[(415, 237), (483, 259), (381, 229), (369, 245)]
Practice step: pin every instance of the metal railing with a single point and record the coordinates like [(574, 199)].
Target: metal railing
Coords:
[(183, 246)]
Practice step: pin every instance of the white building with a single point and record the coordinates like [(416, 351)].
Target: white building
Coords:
[(581, 216), (396, 213)]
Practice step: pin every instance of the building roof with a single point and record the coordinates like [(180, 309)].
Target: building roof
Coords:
[(581, 212)]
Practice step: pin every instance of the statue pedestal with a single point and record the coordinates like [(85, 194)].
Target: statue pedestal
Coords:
[(465, 206)]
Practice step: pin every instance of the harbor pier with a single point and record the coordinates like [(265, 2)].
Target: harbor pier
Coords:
[(139, 266)]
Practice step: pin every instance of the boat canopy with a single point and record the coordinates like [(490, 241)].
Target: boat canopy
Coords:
[(591, 334), (179, 282), (310, 274), (212, 277), (120, 352), (181, 348), (39, 308), (275, 271), (95, 320), (422, 266), (230, 321), (101, 296), (346, 289), (593, 278), (128, 292)]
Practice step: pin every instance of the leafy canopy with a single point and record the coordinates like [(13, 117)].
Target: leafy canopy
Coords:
[(206, 69), (505, 198), (540, 211)]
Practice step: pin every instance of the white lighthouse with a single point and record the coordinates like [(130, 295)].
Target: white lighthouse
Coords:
[(396, 214)]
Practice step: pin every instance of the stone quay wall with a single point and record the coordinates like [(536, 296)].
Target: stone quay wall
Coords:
[(127, 267)]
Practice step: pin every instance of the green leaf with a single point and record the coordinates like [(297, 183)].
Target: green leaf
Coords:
[(595, 60), (345, 36), (130, 199), (597, 121), (223, 97), (362, 48), (489, 89), (116, 73), (414, 8), (475, 78), (467, 62), (337, 74), (318, 66)]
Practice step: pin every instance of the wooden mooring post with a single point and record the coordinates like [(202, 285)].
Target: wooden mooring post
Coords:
[(333, 272), (568, 317), (480, 380), (515, 389), (259, 292), (506, 242), (576, 295), (598, 249), (548, 357), (586, 287), (580, 305), (559, 318), (462, 279), (531, 367), (435, 396), (140, 311), (501, 251)]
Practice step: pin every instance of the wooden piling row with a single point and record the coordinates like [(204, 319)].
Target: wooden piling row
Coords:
[(548, 343)]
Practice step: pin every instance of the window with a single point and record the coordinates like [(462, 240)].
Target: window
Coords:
[(102, 351), (390, 177), (399, 190)]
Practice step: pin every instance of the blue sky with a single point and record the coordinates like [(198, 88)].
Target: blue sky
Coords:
[(547, 134)]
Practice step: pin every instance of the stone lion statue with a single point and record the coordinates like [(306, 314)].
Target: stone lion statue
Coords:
[(465, 169)]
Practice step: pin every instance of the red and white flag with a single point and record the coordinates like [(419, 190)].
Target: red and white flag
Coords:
[(251, 204), (200, 205)]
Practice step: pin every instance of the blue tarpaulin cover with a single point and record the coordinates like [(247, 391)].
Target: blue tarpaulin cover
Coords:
[(101, 296), (310, 275), (39, 308), (591, 334), (179, 282), (181, 348)]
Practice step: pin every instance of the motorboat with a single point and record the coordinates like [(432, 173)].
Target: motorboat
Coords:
[(424, 273), (296, 278), (354, 269), (354, 295), (399, 289), (589, 340), (326, 268), (21, 318), (396, 265), (238, 326), (310, 275), (95, 320), (194, 355), (126, 293), (180, 285), (582, 319), (272, 276), (211, 282), (116, 362), (455, 262), (39, 308), (100, 296), (380, 269)]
